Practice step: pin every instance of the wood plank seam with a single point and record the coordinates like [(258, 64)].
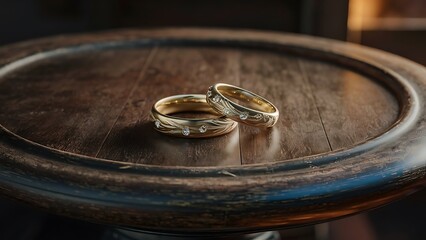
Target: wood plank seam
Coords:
[(309, 85), (141, 75)]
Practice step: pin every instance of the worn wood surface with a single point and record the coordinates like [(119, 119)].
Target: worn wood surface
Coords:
[(74, 136), (97, 103), (352, 107), (173, 71)]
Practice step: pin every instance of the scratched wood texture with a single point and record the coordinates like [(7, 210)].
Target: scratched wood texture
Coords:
[(97, 103)]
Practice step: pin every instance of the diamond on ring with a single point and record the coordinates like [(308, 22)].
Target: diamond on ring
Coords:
[(216, 98), (243, 115), (202, 129), (186, 131)]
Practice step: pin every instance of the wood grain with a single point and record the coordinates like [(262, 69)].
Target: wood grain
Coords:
[(174, 70), (190, 196), (299, 131), (70, 103), (97, 103), (352, 107)]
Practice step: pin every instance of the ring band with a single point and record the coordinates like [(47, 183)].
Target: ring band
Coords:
[(260, 113), (189, 127)]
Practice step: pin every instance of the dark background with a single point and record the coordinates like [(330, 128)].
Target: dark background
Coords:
[(26, 19), (22, 20)]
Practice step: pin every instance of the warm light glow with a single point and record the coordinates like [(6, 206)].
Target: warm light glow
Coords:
[(361, 13), (367, 15)]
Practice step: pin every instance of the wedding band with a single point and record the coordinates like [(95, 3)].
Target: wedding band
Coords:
[(189, 127), (247, 107)]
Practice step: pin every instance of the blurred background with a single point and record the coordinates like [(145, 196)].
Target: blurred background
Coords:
[(393, 25), (397, 26)]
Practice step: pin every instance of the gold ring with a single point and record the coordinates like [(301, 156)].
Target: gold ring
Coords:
[(259, 111), (189, 127)]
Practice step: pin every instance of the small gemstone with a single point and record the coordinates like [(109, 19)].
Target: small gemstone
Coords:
[(185, 131), (226, 111), (258, 116), (157, 123), (216, 98), (203, 129), (210, 88), (209, 93), (244, 116)]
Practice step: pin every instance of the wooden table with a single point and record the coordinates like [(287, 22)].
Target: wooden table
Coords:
[(76, 138)]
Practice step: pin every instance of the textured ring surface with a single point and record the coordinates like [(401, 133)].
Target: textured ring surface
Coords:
[(259, 113), (189, 127)]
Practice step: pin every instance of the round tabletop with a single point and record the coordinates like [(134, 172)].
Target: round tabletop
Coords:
[(76, 138)]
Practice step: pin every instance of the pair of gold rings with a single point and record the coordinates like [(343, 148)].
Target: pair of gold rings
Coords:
[(229, 105)]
